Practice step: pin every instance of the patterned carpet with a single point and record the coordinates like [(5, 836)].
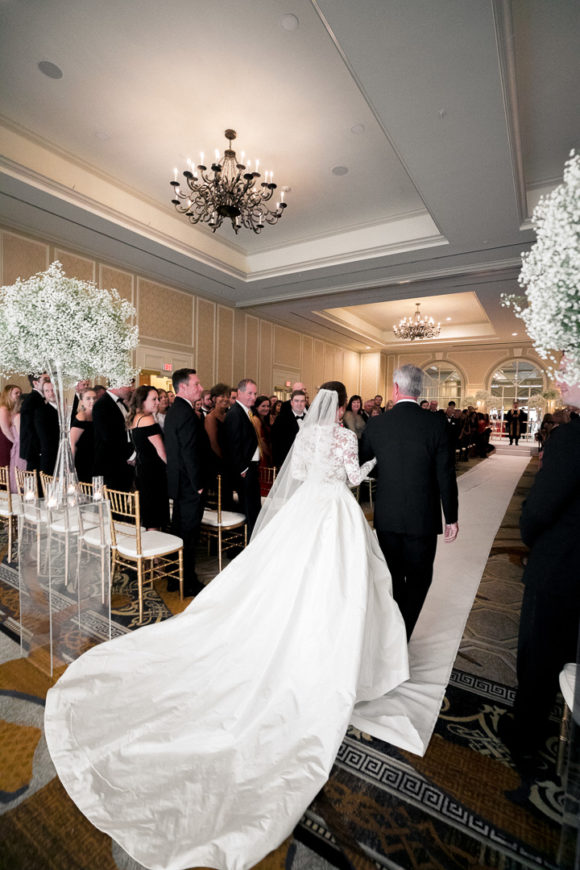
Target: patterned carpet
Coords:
[(382, 807)]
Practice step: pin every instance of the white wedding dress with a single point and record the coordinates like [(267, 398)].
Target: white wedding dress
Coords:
[(201, 740)]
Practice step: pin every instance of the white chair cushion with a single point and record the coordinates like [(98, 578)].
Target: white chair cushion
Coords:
[(16, 504), (94, 538), (152, 544), (229, 519)]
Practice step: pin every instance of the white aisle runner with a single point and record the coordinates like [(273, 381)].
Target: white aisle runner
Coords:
[(406, 716)]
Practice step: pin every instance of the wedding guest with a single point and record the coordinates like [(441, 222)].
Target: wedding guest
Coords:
[(273, 400), (82, 438), (79, 387), (433, 405), (220, 394), (353, 418), (113, 447), (275, 408), (9, 407), (368, 406), (261, 421), (170, 397), (206, 403), (29, 443), (47, 426), (15, 459), (389, 405), (286, 426), (100, 391), (378, 401), (163, 407), (197, 408), (242, 451), (233, 397), (187, 466), (550, 614), (151, 459), (424, 404)]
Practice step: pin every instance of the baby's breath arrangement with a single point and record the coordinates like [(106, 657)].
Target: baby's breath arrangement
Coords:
[(54, 323), (551, 275)]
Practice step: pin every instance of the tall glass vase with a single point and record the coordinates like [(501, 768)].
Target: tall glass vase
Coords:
[(65, 476)]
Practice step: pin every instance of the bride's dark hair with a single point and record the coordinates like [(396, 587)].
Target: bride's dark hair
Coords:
[(338, 388)]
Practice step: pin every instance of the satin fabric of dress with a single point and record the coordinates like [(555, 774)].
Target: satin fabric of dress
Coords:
[(200, 741)]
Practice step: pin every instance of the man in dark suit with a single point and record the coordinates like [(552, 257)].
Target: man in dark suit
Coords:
[(415, 475), (286, 425), (242, 454), (79, 387), (31, 402), (47, 428), (550, 615), (188, 462), (113, 447)]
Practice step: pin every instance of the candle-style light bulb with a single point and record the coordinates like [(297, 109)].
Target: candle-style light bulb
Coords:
[(175, 174)]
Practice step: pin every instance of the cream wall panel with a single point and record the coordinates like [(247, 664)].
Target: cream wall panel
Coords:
[(384, 388), (351, 372), (115, 279), (76, 266), (265, 382), (333, 363), (286, 347), (317, 365), (306, 369), (252, 347), (225, 345), (22, 257), (148, 357), (239, 346), (205, 345), (370, 375), (164, 313)]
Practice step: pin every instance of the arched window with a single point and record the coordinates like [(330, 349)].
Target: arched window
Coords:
[(515, 381), (442, 383)]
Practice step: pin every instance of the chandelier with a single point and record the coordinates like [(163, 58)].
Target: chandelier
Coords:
[(410, 328), (231, 190)]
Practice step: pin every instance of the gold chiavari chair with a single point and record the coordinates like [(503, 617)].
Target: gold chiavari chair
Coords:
[(216, 522), (267, 477), (9, 506), (148, 552)]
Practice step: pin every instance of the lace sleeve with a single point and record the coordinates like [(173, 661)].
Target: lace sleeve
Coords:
[(354, 471)]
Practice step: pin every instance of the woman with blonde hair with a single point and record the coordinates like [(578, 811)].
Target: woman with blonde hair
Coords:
[(9, 407), (82, 439)]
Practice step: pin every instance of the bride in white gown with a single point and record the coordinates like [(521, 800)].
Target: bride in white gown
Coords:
[(201, 740)]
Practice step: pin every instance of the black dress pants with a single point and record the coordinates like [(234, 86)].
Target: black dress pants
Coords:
[(547, 640), (410, 560), (186, 523), (250, 498)]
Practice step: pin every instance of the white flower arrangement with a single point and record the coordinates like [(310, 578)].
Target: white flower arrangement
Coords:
[(51, 322), (551, 275)]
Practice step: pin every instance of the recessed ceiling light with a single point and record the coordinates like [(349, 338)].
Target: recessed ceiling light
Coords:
[(448, 318), (358, 129), (514, 333), (289, 22), (368, 347), (50, 69), (339, 170)]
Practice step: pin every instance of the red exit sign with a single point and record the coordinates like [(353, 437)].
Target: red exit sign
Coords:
[(167, 367)]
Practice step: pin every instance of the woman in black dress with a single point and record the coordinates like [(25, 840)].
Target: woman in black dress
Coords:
[(82, 441), (151, 463)]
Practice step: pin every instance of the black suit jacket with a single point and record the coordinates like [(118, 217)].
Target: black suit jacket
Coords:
[(188, 452), (550, 520), (240, 439), (112, 447), (284, 431), (415, 470), (47, 431), (29, 441)]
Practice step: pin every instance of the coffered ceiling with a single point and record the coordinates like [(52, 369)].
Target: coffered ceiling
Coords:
[(414, 136)]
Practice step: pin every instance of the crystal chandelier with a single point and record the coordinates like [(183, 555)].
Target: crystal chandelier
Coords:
[(232, 190), (410, 328)]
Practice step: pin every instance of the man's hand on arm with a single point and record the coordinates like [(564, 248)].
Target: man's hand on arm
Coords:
[(451, 532)]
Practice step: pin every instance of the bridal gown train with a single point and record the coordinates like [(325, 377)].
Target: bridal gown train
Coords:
[(201, 740)]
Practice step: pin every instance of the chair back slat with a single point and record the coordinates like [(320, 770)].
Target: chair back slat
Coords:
[(125, 505), (21, 478), (45, 481), (5, 485)]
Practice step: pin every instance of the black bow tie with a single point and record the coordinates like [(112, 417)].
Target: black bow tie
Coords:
[(299, 416), (121, 402)]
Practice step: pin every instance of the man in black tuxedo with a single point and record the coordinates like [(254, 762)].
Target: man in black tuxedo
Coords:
[(79, 387), (516, 423), (286, 426), (29, 441), (415, 475), (242, 454), (47, 429), (550, 615), (188, 464), (113, 447)]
